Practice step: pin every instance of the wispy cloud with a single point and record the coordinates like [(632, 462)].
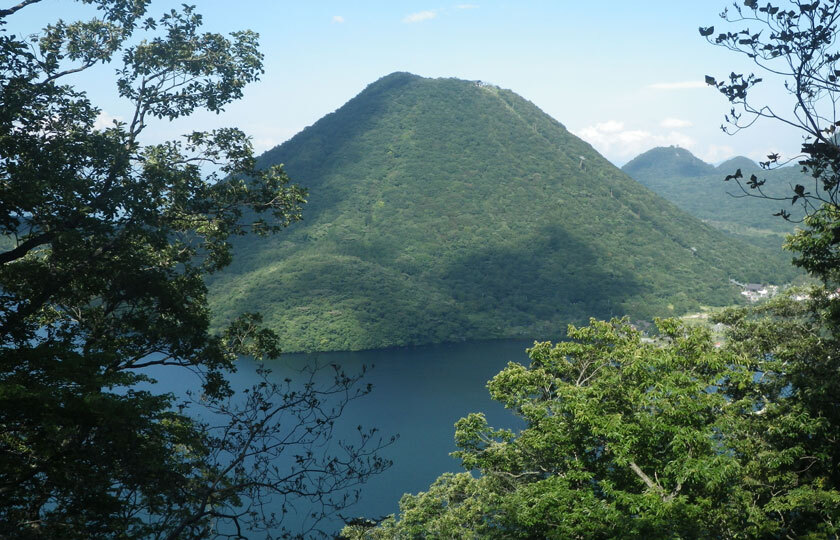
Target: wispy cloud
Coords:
[(675, 123), (338, 19), (715, 153), (610, 126), (420, 16), (619, 144), (267, 137), (681, 85)]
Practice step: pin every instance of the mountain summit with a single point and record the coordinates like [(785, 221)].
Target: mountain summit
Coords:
[(667, 161), (443, 210)]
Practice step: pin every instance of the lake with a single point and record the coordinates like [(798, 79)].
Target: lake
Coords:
[(418, 393)]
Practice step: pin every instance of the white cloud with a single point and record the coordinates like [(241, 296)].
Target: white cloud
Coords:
[(105, 121), (420, 16), (678, 139), (675, 123), (338, 19), (610, 126), (716, 153), (682, 85), (265, 137), (619, 144), (588, 134), (633, 137), (262, 144), (466, 6)]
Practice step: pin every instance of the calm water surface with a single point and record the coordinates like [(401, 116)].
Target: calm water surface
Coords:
[(418, 393)]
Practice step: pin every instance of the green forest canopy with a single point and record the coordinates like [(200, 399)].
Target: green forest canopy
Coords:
[(106, 245), (677, 438), (700, 189), (443, 210)]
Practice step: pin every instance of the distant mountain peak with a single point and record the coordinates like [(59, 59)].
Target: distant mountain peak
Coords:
[(738, 162), (667, 161), (395, 77)]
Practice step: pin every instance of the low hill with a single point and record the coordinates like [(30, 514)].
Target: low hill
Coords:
[(702, 191), (665, 162), (444, 210), (746, 165)]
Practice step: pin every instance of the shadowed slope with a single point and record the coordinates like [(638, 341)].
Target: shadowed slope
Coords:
[(443, 210)]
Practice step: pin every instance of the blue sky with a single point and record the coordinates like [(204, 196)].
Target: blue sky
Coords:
[(624, 75)]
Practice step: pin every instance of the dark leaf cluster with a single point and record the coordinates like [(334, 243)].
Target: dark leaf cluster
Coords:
[(105, 243)]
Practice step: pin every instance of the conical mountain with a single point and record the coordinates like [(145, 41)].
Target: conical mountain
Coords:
[(443, 210)]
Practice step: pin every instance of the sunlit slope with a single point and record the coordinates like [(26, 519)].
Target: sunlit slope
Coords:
[(442, 209)]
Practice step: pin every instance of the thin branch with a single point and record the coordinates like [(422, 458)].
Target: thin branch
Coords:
[(60, 74), (655, 486)]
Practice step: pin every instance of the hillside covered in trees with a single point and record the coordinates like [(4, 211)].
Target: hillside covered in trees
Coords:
[(700, 189), (443, 209)]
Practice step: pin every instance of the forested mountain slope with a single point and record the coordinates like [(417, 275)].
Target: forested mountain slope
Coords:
[(699, 188), (443, 209)]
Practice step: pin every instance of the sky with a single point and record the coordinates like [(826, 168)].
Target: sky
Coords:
[(625, 76)]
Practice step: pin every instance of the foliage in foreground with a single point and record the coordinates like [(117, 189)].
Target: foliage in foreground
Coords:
[(106, 243), (632, 439), (677, 439)]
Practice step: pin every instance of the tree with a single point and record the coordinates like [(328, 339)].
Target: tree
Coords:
[(795, 47), (675, 438), (631, 439), (106, 242)]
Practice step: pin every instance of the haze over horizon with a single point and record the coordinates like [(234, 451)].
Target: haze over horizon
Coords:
[(625, 78)]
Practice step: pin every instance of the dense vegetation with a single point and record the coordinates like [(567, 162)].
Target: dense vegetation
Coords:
[(699, 188), (678, 439), (106, 243), (444, 210), (667, 440)]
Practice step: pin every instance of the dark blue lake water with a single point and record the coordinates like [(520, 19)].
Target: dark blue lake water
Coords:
[(418, 393)]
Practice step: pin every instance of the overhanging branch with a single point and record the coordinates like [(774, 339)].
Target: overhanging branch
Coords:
[(25, 247), (8, 11)]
